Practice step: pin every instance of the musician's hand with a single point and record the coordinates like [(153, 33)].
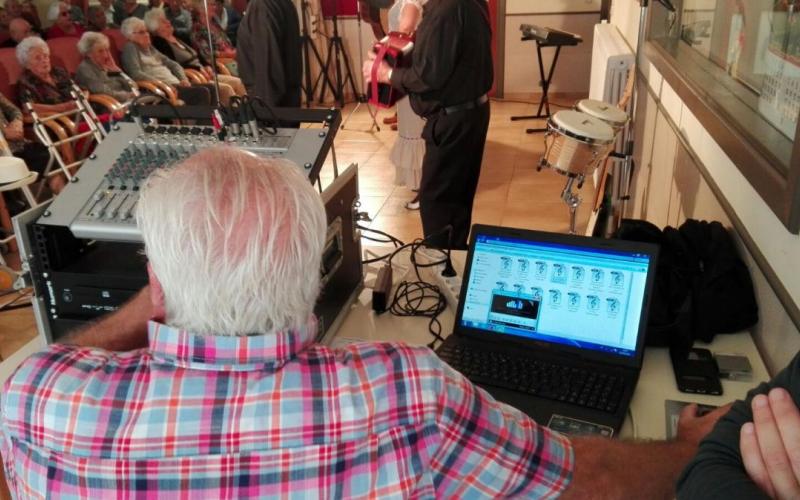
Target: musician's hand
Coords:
[(382, 74)]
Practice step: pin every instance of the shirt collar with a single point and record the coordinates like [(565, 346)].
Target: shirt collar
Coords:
[(269, 351)]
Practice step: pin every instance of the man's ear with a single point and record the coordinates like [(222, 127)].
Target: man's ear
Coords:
[(156, 296)]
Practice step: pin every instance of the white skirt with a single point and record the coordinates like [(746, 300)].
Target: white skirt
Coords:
[(409, 147)]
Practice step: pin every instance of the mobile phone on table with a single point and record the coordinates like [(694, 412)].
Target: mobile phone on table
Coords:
[(696, 372)]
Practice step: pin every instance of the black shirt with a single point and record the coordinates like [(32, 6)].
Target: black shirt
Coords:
[(717, 470), (268, 52), (452, 58)]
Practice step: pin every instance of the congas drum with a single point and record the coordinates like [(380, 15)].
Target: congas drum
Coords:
[(604, 111), (576, 143)]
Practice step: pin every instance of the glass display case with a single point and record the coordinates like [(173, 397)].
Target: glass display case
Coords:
[(737, 63)]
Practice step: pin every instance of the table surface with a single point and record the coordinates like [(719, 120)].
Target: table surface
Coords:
[(656, 382)]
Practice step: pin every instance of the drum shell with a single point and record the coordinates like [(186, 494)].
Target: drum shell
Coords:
[(573, 156)]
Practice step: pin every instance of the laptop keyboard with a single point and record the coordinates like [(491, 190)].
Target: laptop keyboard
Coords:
[(587, 388)]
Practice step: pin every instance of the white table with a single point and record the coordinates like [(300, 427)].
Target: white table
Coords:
[(656, 383)]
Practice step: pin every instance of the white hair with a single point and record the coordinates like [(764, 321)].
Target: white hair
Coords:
[(26, 45), (130, 24), (235, 241), (54, 10), (89, 40), (152, 19)]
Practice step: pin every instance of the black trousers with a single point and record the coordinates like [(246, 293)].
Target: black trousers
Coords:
[(453, 154)]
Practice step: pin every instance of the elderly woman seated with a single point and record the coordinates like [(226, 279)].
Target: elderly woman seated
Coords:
[(47, 88), (98, 72), (164, 39), (142, 61), (63, 25), (222, 46)]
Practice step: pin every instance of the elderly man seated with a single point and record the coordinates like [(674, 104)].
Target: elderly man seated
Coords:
[(142, 61), (18, 30), (225, 394), (98, 72)]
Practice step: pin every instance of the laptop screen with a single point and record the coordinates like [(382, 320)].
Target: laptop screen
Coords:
[(585, 297)]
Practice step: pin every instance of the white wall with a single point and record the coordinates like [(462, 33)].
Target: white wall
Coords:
[(776, 335)]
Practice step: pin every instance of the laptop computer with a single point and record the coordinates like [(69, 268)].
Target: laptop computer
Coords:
[(554, 324)]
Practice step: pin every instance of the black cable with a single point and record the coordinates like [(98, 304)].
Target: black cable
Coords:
[(10, 305), (275, 121), (420, 299), (390, 239)]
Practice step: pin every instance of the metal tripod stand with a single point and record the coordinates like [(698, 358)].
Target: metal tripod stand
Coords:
[(305, 39), (362, 97)]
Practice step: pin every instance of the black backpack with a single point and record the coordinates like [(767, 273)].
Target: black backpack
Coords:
[(702, 286)]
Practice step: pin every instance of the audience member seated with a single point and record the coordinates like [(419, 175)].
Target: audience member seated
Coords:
[(35, 154), (142, 61), (59, 15), (47, 88), (96, 19), (76, 13), (18, 30), (154, 4), (98, 72), (228, 19), (225, 394), (754, 451), (109, 9), (222, 46), (128, 8), (180, 18), (166, 42), (26, 10)]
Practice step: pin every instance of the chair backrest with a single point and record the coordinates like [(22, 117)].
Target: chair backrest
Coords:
[(117, 40), (64, 53), (10, 71)]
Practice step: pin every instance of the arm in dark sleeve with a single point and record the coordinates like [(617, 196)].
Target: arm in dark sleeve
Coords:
[(436, 53), (717, 470)]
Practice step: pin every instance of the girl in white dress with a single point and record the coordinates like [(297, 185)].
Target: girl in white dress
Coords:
[(409, 147)]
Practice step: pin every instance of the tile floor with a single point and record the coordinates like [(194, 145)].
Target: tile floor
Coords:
[(510, 192)]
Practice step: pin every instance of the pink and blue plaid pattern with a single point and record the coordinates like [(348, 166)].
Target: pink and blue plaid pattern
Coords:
[(262, 416)]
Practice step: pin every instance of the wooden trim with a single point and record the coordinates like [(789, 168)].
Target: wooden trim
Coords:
[(779, 191)]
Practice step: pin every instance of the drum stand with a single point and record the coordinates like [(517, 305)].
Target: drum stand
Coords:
[(572, 199)]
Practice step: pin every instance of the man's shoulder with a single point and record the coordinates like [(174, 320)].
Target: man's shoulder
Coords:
[(61, 374), (392, 359)]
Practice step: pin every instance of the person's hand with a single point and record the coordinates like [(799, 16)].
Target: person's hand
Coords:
[(184, 83), (770, 444), (383, 69), (692, 428)]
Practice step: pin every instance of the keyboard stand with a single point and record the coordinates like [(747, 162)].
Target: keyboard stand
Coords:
[(544, 82)]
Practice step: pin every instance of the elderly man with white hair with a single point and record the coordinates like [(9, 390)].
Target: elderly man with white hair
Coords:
[(98, 72), (223, 393)]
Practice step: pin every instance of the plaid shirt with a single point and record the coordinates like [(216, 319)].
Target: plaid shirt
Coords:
[(262, 416)]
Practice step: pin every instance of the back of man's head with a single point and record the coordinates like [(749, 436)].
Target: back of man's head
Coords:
[(235, 242)]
